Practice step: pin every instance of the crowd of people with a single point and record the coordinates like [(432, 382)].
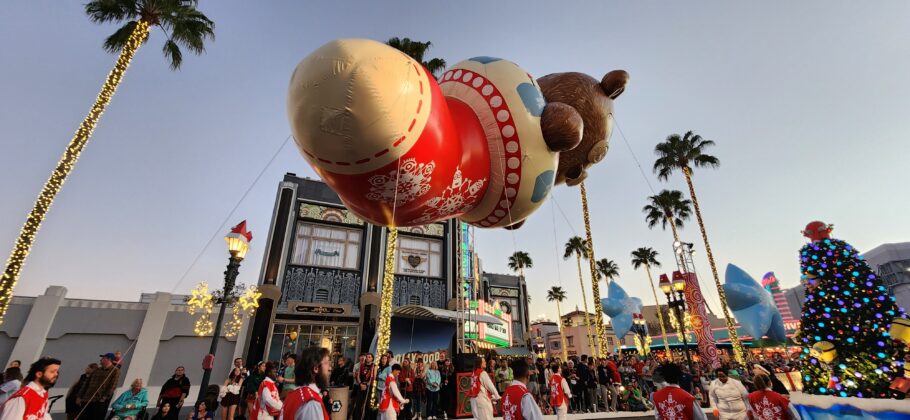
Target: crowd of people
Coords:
[(412, 387)]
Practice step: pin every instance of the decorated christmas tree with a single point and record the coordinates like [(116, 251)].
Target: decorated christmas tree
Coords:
[(847, 350)]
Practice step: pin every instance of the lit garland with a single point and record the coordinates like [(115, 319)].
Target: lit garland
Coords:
[(385, 307), (595, 288), (643, 348), (245, 305), (46, 198), (202, 301), (674, 322), (844, 328), (738, 351)]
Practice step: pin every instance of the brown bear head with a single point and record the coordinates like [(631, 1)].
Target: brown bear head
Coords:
[(577, 120)]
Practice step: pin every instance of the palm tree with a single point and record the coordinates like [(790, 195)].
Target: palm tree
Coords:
[(683, 153), (668, 208), (647, 257), (607, 268), (577, 246), (416, 50), (556, 294), (595, 285), (182, 24), (519, 261)]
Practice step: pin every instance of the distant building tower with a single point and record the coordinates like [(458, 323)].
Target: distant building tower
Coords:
[(770, 283)]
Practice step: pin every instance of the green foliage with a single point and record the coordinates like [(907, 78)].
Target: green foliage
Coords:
[(683, 153), (181, 22), (667, 207), (417, 50)]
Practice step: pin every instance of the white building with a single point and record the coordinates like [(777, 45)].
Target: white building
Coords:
[(892, 262)]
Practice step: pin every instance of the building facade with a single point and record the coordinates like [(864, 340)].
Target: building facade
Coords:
[(322, 271), (155, 335), (891, 262), (511, 294)]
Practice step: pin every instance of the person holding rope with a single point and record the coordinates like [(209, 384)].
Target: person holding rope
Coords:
[(312, 376), (482, 392), (99, 389), (268, 403), (30, 401)]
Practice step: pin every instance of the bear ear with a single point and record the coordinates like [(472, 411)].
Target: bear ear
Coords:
[(614, 83)]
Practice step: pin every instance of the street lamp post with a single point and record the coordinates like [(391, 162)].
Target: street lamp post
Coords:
[(677, 303), (641, 330), (238, 241)]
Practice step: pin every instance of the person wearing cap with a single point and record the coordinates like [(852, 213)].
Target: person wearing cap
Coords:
[(776, 385), (99, 388)]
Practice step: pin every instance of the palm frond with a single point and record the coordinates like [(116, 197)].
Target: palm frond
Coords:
[(115, 42), (172, 52), (435, 66), (104, 11)]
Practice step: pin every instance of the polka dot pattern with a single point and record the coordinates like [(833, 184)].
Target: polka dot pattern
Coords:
[(511, 142)]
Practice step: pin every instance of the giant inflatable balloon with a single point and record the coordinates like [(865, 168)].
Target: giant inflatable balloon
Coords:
[(482, 144), (753, 306), (620, 307)]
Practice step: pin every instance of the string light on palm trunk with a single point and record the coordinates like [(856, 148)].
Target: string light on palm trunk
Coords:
[(384, 333), (601, 330), (45, 199)]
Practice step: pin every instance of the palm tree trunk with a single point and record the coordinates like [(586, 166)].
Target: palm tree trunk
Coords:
[(673, 228), (595, 283), (33, 222), (384, 329), (660, 316), (731, 327), (584, 299), (562, 336)]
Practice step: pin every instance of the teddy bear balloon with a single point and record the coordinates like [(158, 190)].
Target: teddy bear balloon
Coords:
[(485, 143)]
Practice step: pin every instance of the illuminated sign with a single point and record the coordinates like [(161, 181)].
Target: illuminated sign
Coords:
[(499, 335)]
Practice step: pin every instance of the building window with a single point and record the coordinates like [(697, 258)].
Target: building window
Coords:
[(419, 257), (326, 246), (340, 340), (569, 341), (321, 296), (610, 342)]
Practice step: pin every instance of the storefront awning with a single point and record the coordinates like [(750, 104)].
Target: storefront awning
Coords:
[(427, 312), (513, 352)]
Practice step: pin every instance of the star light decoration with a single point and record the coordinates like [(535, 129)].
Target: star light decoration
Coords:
[(202, 301)]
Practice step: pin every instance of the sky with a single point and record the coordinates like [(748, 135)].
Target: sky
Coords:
[(806, 101)]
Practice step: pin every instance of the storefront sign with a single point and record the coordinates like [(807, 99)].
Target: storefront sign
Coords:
[(318, 309), (414, 262), (501, 291)]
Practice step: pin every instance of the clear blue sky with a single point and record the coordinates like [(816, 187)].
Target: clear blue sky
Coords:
[(807, 102)]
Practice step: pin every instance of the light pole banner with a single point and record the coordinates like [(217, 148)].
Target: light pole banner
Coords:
[(695, 302)]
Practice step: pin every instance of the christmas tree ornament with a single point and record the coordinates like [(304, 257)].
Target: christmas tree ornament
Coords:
[(823, 351), (816, 230), (900, 330)]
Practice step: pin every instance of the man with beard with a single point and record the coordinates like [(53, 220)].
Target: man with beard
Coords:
[(30, 401), (312, 375), (268, 402)]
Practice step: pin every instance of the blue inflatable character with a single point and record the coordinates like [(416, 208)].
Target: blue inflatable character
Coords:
[(753, 306), (619, 306)]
